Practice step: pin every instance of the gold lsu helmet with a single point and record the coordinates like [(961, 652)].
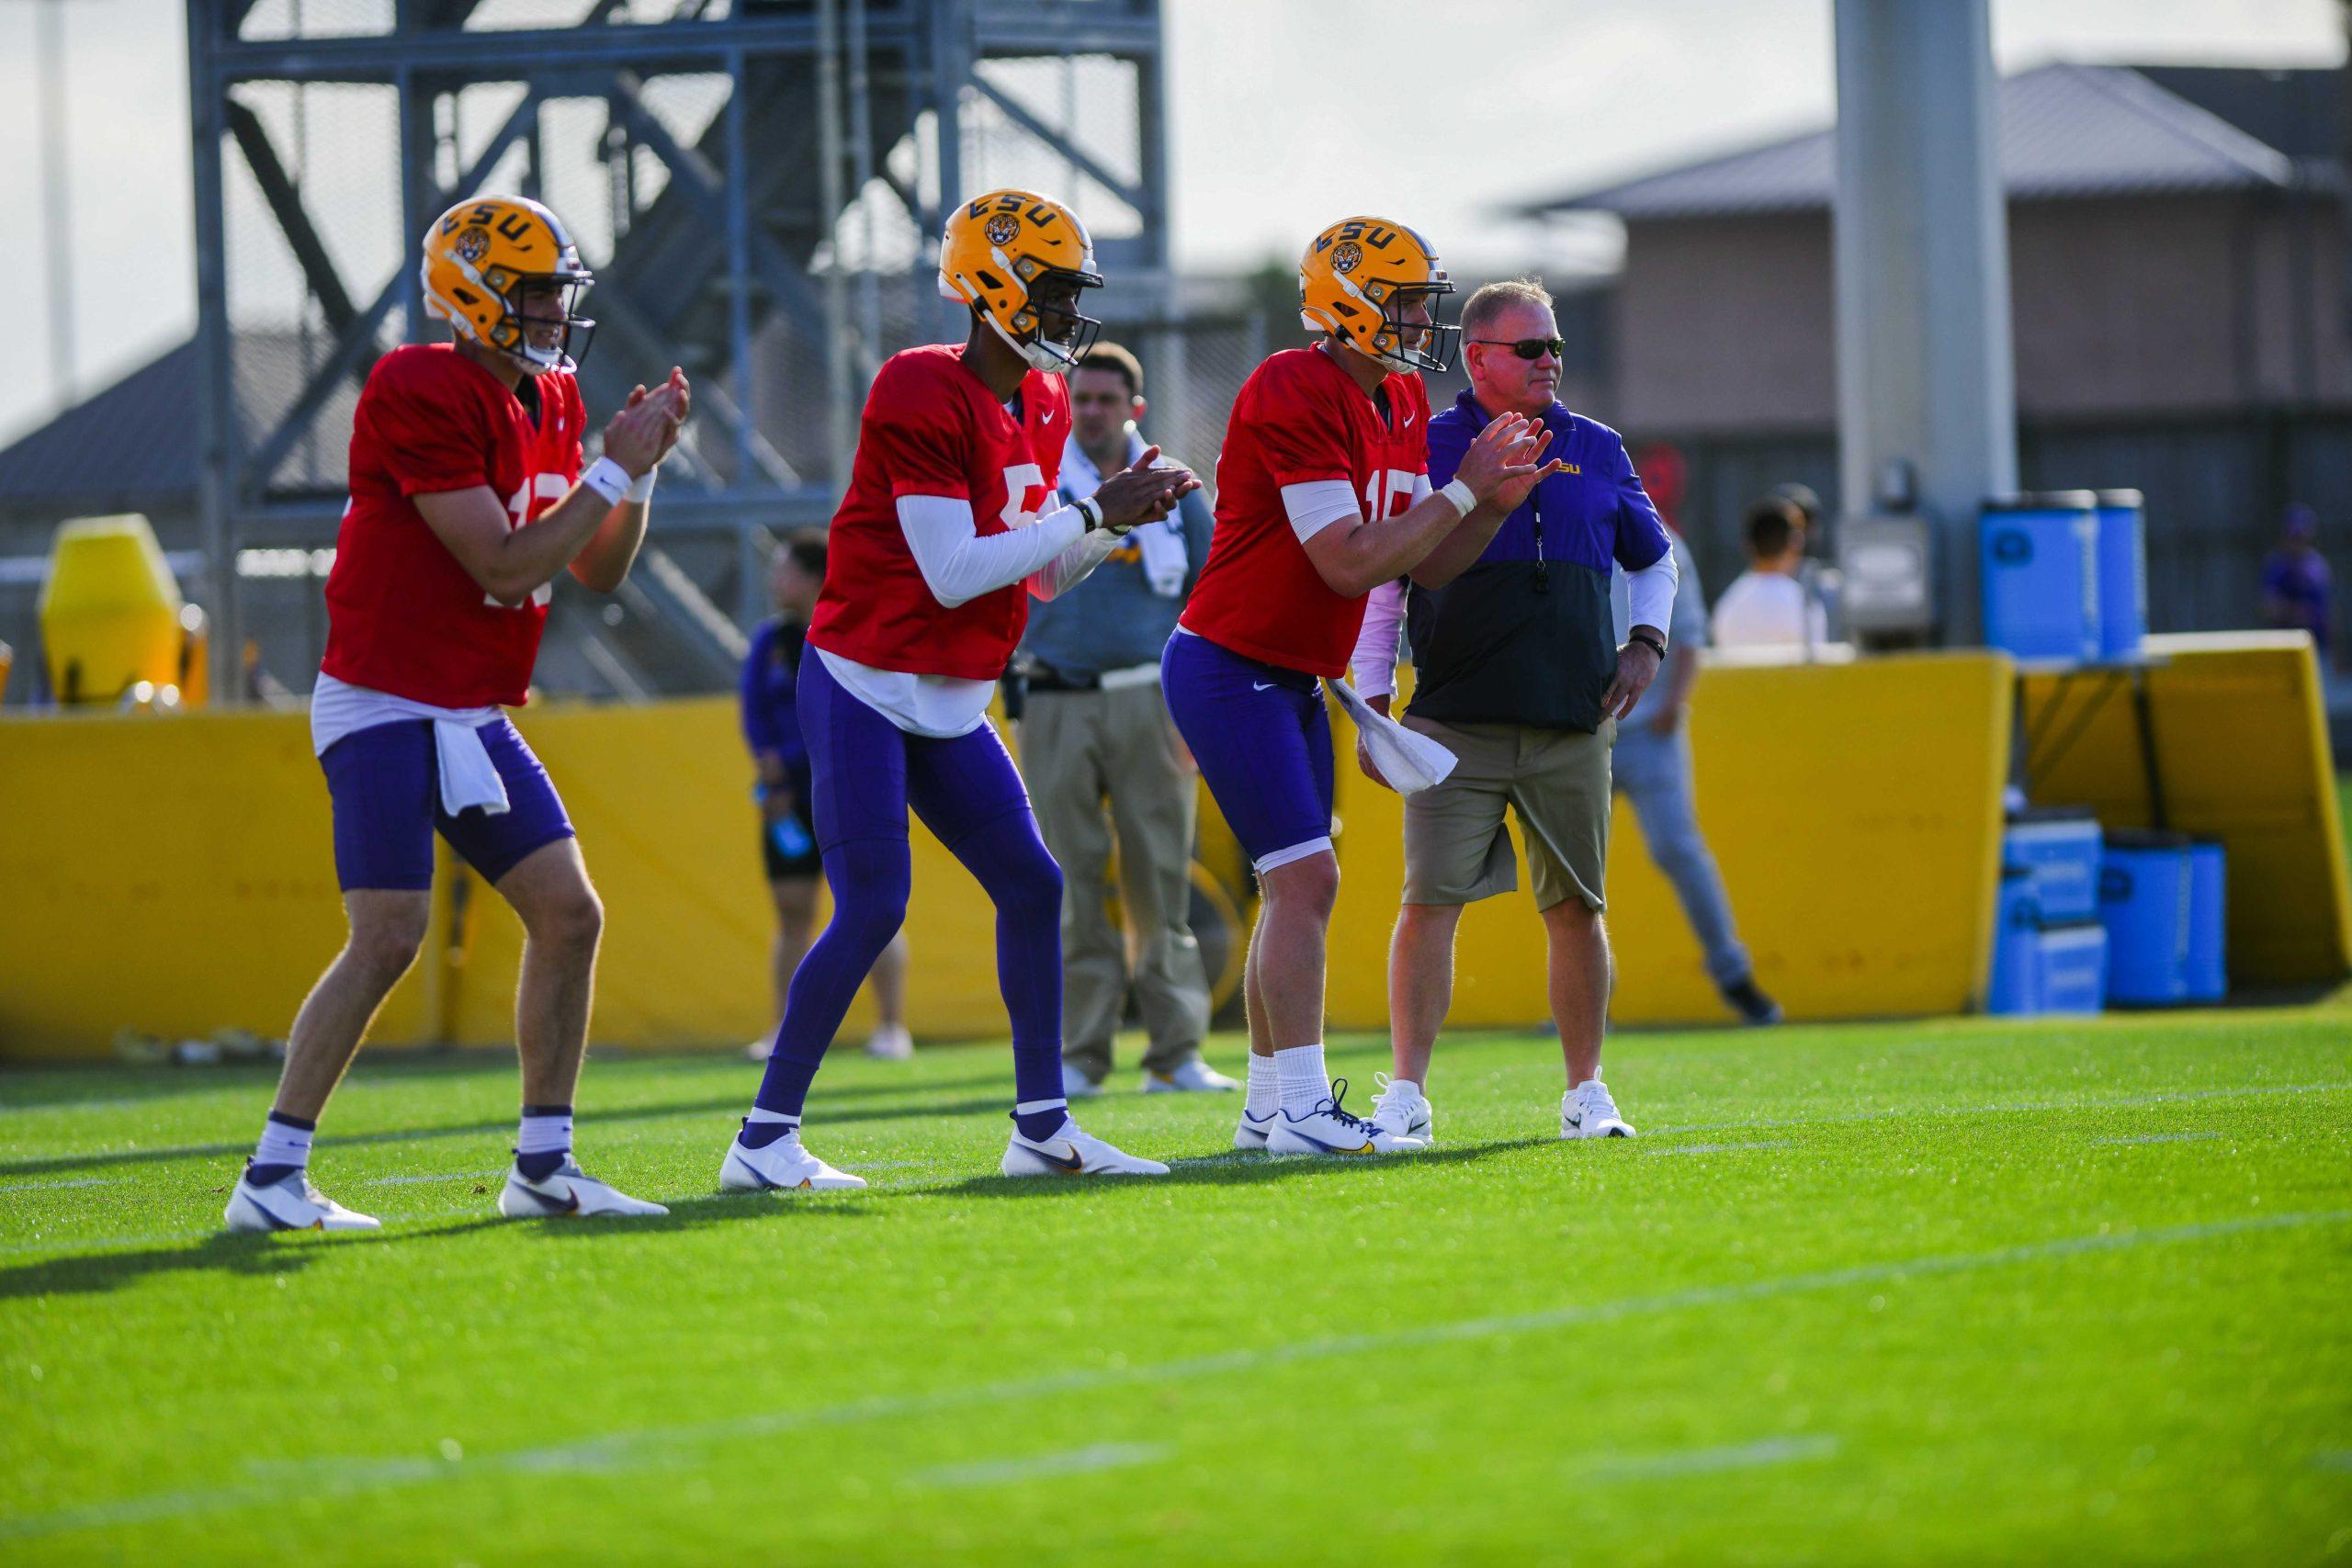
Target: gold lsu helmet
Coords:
[(996, 252), (1358, 276), (477, 259)]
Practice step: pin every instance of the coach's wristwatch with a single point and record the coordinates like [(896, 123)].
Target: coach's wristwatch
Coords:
[(1638, 635), (1092, 510)]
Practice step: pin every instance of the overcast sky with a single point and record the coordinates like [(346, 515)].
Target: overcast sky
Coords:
[(1435, 114)]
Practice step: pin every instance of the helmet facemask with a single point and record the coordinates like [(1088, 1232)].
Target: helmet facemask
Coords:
[(514, 331), (1404, 345), (1074, 333)]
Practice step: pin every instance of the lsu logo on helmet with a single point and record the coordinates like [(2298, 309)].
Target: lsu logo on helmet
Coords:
[(1357, 281), (479, 258), (999, 250)]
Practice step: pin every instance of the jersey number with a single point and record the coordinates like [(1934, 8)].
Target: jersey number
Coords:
[(1021, 479), (519, 506), (1387, 495)]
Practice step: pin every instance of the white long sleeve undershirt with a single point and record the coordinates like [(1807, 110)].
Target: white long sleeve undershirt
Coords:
[(1651, 593), (959, 563)]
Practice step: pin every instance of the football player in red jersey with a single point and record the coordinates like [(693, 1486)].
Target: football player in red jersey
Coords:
[(467, 500), (935, 551), (1323, 494)]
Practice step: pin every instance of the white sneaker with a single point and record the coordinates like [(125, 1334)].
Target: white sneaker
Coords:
[(1403, 1110), (1077, 1085), (1331, 1129), (782, 1166), (565, 1192), (891, 1042), (1071, 1152), (760, 1050), (291, 1204), (1253, 1130), (1588, 1112), (1194, 1077)]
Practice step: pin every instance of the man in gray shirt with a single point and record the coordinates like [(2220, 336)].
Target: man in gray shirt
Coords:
[(1102, 761), (1652, 769)]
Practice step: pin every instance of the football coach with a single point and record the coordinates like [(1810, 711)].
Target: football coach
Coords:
[(1516, 671)]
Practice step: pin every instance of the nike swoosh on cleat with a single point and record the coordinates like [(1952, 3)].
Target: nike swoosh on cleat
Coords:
[(1073, 1166), (570, 1204), (1331, 1148)]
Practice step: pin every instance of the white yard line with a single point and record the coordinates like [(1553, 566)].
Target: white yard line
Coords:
[(1713, 1148), (1077, 1461), (55, 1186), (2160, 1138), (657, 1446), (1707, 1461), (2012, 1108)]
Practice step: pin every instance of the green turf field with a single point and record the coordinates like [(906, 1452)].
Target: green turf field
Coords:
[(1961, 1291)]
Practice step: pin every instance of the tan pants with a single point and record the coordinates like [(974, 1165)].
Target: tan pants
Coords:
[(1554, 781), (1099, 762)]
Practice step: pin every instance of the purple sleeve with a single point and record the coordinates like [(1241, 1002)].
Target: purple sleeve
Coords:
[(1641, 533), (759, 729), (1449, 439)]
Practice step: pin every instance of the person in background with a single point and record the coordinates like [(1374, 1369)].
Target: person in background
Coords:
[(2296, 592), (1768, 605), (1103, 760), (787, 834), (1651, 767), (1822, 581)]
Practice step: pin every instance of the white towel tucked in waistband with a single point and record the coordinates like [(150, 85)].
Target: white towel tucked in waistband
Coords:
[(467, 775), (1409, 760)]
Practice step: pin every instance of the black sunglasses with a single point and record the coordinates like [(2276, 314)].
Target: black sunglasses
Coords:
[(1528, 347)]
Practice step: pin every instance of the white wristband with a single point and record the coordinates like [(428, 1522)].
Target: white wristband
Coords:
[(1461, 495), (608, 478), (640, 490)]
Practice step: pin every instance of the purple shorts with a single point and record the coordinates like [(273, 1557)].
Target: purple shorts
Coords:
[(385, 781), (1262, 738)]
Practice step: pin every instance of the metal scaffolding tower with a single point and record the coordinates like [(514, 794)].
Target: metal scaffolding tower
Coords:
[(758, 185)]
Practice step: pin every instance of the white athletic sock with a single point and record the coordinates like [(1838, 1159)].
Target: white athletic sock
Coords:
[(283, 1143), (1305, 1083), (762, 1114), (547, 1133), (1265, 1093), (1406, 1089)]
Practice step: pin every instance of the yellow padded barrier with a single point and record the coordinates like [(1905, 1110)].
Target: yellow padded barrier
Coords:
[(176, 877), (2242, 755), (109, 610), (1854, 810)]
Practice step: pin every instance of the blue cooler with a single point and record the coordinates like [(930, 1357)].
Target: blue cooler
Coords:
[(2209, 976), (2058, 846), (2040, 565), (2123, 574), (2143, 902), (2070, 964), (2013, 987)]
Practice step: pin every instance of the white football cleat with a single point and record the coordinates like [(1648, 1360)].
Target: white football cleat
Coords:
[(565, 1192), (782, 1166), (1194, 1077), (1331, 1129), (1252, 1132), (291, 1204), (1073, 1153), (1588, 1112), (1401, 1109), (1076, 1085), (891, 1042)]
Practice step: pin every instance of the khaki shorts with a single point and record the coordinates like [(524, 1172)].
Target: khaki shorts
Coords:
[(1456, 851)]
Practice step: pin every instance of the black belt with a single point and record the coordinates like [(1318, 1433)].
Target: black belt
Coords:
[(1042, 678)]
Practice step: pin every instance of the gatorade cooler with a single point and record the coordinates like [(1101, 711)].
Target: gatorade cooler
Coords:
[(2123, 574), (2209, 979), (2040, 565), (2012, 988), (2143, 902), (2071, 967), (2060, 846)]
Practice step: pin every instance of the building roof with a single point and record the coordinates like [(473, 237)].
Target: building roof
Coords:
[(2065, 131), (133, 447)]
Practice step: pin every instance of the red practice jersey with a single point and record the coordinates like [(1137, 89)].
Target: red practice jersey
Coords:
[(403, 615), (1300, 419), (932, 427)]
